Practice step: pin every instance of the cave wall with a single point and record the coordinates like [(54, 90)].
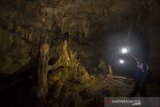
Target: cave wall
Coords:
[(83, 23)]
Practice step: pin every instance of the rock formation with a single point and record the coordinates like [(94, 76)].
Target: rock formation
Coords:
[(50, 49)]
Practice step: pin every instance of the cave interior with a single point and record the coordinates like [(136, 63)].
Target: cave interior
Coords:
[(67, 53)]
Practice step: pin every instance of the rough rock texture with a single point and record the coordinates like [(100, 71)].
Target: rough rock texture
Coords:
[(81, 22), (77, 32)]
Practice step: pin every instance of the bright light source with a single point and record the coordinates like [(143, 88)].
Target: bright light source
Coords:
[(121, 61), (124, 50)]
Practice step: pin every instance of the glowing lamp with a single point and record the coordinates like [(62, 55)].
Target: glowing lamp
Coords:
[(124, 50), (121, 61)]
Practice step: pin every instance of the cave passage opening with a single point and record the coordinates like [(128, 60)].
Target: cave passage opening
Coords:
[(119, 48)]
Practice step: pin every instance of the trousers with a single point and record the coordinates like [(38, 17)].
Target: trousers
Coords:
[(137, 88)]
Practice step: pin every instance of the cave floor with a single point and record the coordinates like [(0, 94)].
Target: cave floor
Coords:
[(117, 86), (120, 86), (124, 86)]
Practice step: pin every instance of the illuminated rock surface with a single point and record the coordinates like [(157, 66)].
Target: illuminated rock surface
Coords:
[(82, 36)]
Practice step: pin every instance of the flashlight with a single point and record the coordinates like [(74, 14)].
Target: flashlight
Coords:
[(121, 61), (124, 50)]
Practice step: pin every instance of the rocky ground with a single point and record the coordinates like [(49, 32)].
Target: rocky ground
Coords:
[(64, 48), (71, 94)]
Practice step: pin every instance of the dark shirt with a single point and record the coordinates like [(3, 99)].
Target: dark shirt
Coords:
[(138, 74), (141, 69)]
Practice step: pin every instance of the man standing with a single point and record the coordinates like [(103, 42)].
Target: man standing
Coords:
[(140, 78)]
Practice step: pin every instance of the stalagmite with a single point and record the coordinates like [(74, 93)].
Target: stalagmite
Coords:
[(42, 69), (110, 70)]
